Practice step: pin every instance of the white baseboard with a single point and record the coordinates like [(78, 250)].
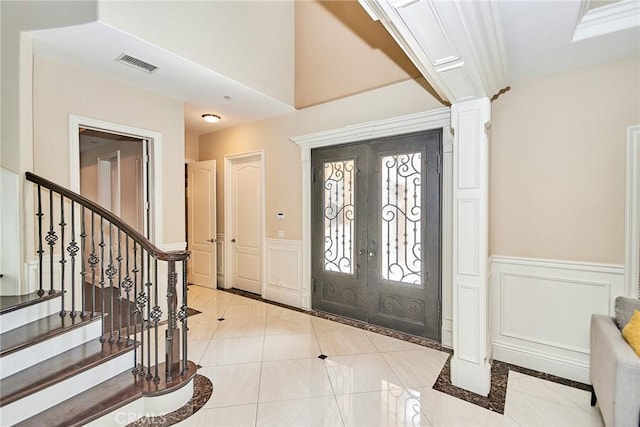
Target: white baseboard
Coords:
[(541, 311)]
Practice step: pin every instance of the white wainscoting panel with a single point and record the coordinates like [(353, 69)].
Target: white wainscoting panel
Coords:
[(541, 311), (284, 272)]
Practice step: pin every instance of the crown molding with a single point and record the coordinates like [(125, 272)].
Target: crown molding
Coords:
[(457, 46), (607, 19)]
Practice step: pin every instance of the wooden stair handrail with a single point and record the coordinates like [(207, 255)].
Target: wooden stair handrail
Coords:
[(109, 216)]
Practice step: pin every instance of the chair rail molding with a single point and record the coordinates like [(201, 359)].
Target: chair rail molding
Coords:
[(632, 213)]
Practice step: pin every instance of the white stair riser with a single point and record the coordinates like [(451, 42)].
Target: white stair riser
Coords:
[(17, 318), (156, 406), (19, 360), (46, 398)]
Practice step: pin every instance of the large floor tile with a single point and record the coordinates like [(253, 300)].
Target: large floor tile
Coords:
[(231, 351), (444, 410), (287, 322), (290, 346), (316, 411), (238, 311), (417, 368), (536, 402), (201, 327), (294, 379), (391, 407), (233, 384), (229, 416), (341, 342), (360, 373), (243, 327)]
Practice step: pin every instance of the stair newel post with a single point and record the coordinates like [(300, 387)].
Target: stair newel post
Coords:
[(156, 313), (83, 272), (73, 251), (63, 261), (182, 315), (51, 240), (40, 250), (102, 244), (172, 363)]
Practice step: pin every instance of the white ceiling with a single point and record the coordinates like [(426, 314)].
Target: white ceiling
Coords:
[(95, 46), (537, 42)]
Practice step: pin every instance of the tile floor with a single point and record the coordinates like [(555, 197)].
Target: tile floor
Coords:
[(263, 362)]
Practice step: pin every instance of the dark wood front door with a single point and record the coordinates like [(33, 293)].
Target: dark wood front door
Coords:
[(376, 232)]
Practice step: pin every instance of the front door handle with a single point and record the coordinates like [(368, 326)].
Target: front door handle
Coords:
[(372, 253)]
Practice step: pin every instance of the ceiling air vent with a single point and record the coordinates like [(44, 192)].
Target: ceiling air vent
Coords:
[(136, 63)]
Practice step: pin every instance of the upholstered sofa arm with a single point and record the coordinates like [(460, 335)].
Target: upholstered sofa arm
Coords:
[(615, 373)]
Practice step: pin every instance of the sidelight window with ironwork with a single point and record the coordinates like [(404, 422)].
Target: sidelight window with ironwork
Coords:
[(400, 214)]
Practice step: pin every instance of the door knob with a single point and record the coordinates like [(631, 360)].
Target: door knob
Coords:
[(233, 240), (211, 240), (372, 253)]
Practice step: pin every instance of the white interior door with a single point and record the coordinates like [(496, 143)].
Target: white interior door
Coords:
[(201, 221), (246, 227)]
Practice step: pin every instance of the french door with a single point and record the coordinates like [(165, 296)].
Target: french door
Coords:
[(376, 232)]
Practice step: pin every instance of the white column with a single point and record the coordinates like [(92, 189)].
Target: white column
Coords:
[(470, 365)]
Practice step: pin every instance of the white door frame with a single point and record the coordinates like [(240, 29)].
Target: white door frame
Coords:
[(228, 217), (155, 165), (632, 214)]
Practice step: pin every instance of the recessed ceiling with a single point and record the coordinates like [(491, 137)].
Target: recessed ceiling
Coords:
[(538, 38), (96, 47)]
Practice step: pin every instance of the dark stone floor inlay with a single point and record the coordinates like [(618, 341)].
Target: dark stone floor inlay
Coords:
[(202, 390), (322, 356)]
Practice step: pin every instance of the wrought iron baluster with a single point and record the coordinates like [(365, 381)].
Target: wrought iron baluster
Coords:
[(73, 251), (119, 259), (148, 285), (137, 311), (63, 261), (156, 313), (141, 301), (51, 240), (172, 334), (93, 261), (110, 272), (83, 272), (40, 250), (127, 283), (102, 272), (182, 315)]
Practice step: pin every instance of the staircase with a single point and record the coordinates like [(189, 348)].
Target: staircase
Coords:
[(92, 344)]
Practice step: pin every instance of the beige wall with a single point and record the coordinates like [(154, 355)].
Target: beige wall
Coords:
[(360, 54), (15, 68), (283, 157), (250, 42), (61, 90), (557, 164), (191, 150)]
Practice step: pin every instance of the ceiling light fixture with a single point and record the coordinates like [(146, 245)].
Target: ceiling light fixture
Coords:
[(211, 118)]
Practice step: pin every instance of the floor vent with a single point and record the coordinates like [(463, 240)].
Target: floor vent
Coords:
[(136, 63)]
